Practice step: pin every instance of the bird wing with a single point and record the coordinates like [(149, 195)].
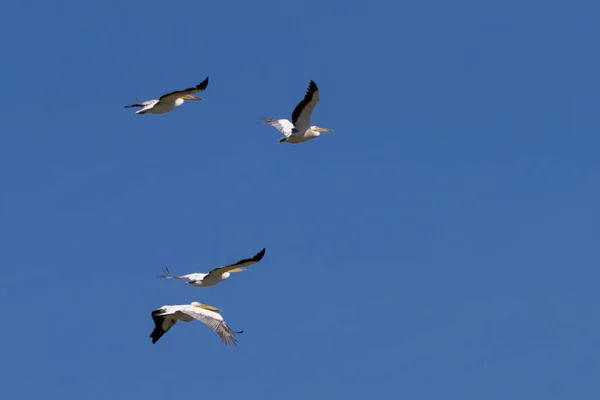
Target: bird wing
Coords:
[(143, 104), (215, 322), (179, 93), (162, 324), (303, 111), (283, 125), (192, 277), (245, 263)]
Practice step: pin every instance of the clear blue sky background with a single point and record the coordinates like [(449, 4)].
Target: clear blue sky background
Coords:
[(442, 243)]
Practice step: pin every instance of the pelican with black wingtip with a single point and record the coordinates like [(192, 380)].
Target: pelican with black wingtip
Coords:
[(299, 130), (170, 101), (216, 275), (167, 317)]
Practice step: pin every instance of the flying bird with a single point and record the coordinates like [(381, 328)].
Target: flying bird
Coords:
[(300, 130), (167, 316), (170, 101), (216, 275)]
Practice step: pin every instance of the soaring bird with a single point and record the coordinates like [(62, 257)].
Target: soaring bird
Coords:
[(167, 316), (300, 130), (216, 275), (170, 101)]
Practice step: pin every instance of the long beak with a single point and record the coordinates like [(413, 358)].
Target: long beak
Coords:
[(191, 98), (324, 130), (209, 308), (237, 270)]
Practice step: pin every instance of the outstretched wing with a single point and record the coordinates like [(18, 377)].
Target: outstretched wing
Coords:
[(215, 322), (143, 104), (245, 263), (179, 93), (161, 325), (192, 277), (283, 125), (303, 111)]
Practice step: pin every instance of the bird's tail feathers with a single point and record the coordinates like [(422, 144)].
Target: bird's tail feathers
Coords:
[(137, 103), (166, 274), (267, 120)]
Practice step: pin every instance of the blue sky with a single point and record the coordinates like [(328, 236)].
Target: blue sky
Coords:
[(441, 243)]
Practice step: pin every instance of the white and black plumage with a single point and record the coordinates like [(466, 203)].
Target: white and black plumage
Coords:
[(299, 129), (170, 101), (216, 275), (167, 316)]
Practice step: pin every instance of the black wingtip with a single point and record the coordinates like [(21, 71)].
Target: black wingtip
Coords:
[(312, 86), (203, 84), (259, 256), (155, 337)]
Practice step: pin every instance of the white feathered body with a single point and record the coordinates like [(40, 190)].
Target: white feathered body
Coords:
[(159, 107), (205, 280), (291, 134)]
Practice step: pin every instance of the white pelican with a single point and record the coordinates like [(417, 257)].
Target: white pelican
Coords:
[(217, 275), (300, 130), (170, 101), (167, 316)]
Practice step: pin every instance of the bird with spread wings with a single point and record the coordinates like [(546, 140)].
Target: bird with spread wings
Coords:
[(170, 101), (216, 275), (299, 130), (167, 317)]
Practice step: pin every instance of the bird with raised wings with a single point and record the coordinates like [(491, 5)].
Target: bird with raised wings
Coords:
[(167, 316), (170, 101), (216, 275), (299, 130)]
